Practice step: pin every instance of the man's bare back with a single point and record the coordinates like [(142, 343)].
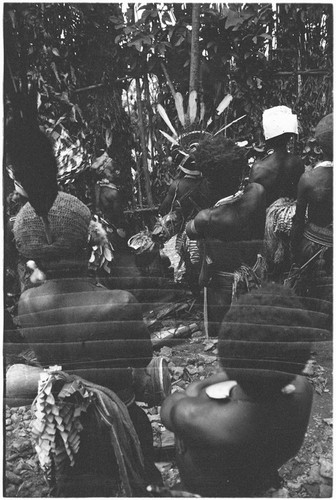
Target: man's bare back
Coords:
[(315, 191), (279, 174)]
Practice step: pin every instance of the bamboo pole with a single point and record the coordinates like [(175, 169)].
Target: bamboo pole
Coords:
[(311, 72)]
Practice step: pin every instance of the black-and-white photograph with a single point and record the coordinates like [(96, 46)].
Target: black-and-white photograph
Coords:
[(168, 250)]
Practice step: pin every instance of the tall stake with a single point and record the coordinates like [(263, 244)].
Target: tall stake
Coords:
[(143, 145), (194, 52)]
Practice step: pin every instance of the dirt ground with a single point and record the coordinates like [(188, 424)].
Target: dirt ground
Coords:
[(309, 474)]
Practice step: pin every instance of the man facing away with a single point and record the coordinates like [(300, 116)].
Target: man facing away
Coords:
[(71, 321), (232, 231), (280, 171), (312, 237), (235, 429)]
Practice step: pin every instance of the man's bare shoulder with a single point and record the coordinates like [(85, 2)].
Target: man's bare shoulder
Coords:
[(109, 191), (255, 187), (316, 175), (262, 164)]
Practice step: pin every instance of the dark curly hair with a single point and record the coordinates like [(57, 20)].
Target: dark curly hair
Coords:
[(269, 329), (223, 163)]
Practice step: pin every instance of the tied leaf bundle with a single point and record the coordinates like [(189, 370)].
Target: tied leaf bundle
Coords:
[(142, 242), (56, 428), (102, 253), (167, 226)]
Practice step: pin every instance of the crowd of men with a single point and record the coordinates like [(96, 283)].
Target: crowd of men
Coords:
[(264, 329)]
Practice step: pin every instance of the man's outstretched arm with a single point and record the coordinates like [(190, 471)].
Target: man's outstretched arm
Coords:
[(196, 228)]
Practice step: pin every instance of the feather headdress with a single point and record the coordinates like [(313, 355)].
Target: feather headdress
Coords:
[(32, 162), (185, 142)]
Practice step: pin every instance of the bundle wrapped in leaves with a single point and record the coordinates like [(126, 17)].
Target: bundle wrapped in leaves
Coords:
[(61, 402), (142, 243), (167, 226), (56, 428), (102, 253)]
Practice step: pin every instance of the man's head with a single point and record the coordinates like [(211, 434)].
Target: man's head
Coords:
[(269, 329), (69, 221), (183, 153), (279, 122), (324, 136), (185, 163), (223, 163)]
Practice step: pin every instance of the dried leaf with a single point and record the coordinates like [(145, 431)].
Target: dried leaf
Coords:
[(77, 411), (58, 419), (45, 445), (40, 415), (68, 389), (64, 436), (55, 411), (50, 400), (51, 429), (38, 426)]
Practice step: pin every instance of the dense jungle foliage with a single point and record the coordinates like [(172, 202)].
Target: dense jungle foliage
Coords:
[(101, 69)]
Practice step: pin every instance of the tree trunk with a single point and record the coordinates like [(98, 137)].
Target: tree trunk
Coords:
[(150, 121), (143, 145), (195, 55)]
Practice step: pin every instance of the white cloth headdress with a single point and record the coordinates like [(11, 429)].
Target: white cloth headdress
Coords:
[(279, 120)]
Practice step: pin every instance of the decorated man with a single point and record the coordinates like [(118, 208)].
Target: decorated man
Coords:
[(232, 229), (108, 201), (83, 327), (279, 173), (187, 195)]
